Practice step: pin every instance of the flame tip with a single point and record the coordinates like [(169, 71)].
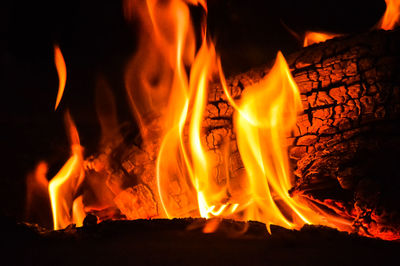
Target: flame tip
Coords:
[(62, 73)]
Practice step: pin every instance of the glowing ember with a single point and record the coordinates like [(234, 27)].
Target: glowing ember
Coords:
[(391, 18), (62, 73)]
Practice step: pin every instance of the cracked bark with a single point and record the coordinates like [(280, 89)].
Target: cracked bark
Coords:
[(345, 148), (346, 145)]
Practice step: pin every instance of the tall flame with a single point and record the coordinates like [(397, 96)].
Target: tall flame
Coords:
[(266, 114), (170, 111), (167, 87), (391, 17), (62, 73), (63, 186)]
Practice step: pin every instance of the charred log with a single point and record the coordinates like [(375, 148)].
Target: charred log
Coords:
[(344, 150), (345, 147)]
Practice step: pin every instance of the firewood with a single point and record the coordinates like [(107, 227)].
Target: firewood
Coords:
[(344, 150), (136, 202), (346, 144)]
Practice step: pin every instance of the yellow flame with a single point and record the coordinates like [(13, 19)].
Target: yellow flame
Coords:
[(63, 186), (266, 114), (78, 211), (167, 86), (62, 73), (391, 17), (313, 37)]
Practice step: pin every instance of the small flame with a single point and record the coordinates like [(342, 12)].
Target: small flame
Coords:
[(391, 17), (37, 194), (62, 73), (313, 37), (63, 186)]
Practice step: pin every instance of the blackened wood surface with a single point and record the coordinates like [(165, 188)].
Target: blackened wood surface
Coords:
[(346, 145)]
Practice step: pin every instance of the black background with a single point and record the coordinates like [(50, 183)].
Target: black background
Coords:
[(96, 42)]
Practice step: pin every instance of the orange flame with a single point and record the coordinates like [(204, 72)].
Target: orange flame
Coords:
[(391, 17), (313, 37), (63, 186), (167, 82), (267, 113), (37, 196), (62, 73), (169, 106)]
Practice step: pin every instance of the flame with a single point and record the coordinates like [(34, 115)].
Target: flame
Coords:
[(167, 83), (62, 73), (312, 37), (63, 186), (391, 17), (36, 189), (170, 111), (267, 113), (156, 78)]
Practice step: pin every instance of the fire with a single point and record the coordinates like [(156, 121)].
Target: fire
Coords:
[(62, 73), (391, 17), (37, 196), (167, 83), (63, 186), (312, 37), (265, 116), (182, 162)]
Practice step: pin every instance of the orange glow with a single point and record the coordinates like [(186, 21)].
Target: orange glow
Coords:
[(158, 90), (78, 211), (36, 189), (169, 106), (38, 176), (63, 186), (312, 37), (391, 17), (62, 73), (167, 82), (265, 116)]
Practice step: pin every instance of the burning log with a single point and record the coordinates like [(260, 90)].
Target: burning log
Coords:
[(346, 144), (344, 149)]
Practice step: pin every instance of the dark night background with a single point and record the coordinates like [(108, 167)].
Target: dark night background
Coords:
[(97, 43)]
